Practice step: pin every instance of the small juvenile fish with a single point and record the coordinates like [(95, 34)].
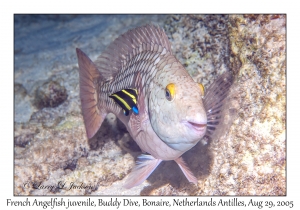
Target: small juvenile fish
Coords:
[(139, 80)]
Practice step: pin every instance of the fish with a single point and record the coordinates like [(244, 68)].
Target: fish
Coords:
[(127, 100), (139, 79)]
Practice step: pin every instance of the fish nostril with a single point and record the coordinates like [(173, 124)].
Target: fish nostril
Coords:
[(189, 107)]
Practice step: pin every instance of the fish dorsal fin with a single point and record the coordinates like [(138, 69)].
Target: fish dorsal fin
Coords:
[(130, 43)]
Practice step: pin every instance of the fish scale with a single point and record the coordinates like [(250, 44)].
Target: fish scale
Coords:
[(138, 66), (166, 116), (121, 81)]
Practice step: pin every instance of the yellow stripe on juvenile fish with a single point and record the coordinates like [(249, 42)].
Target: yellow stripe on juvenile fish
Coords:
[(126, 99), (130, 95), (120, 100)]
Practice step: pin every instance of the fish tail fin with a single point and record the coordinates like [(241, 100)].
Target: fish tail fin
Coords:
[(89, 76), (142, 170), (185, 169)]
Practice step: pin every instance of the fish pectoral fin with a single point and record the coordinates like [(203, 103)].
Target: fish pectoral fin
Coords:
[(185, 169), (217, 104), (142, 170)]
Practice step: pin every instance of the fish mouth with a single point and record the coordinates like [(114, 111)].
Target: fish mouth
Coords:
[(196, 126)]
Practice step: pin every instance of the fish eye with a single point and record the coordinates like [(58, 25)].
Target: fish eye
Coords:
[(201, 89), (170, 92)]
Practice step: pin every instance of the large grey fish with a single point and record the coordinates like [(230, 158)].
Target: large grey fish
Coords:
[(139, 80)]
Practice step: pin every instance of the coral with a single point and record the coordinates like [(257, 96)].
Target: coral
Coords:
[(258, 135)]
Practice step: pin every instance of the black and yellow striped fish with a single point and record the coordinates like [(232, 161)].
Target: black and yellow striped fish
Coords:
[(127, 99)]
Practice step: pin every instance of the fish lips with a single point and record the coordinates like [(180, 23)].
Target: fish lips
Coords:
[(196, 127)]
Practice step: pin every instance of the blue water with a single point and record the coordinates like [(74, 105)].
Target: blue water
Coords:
[(46, 43)]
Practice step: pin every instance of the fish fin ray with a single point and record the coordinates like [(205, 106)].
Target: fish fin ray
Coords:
[(89, 76), (142, 170), (115, 55), (186, 171), (217, 104)]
